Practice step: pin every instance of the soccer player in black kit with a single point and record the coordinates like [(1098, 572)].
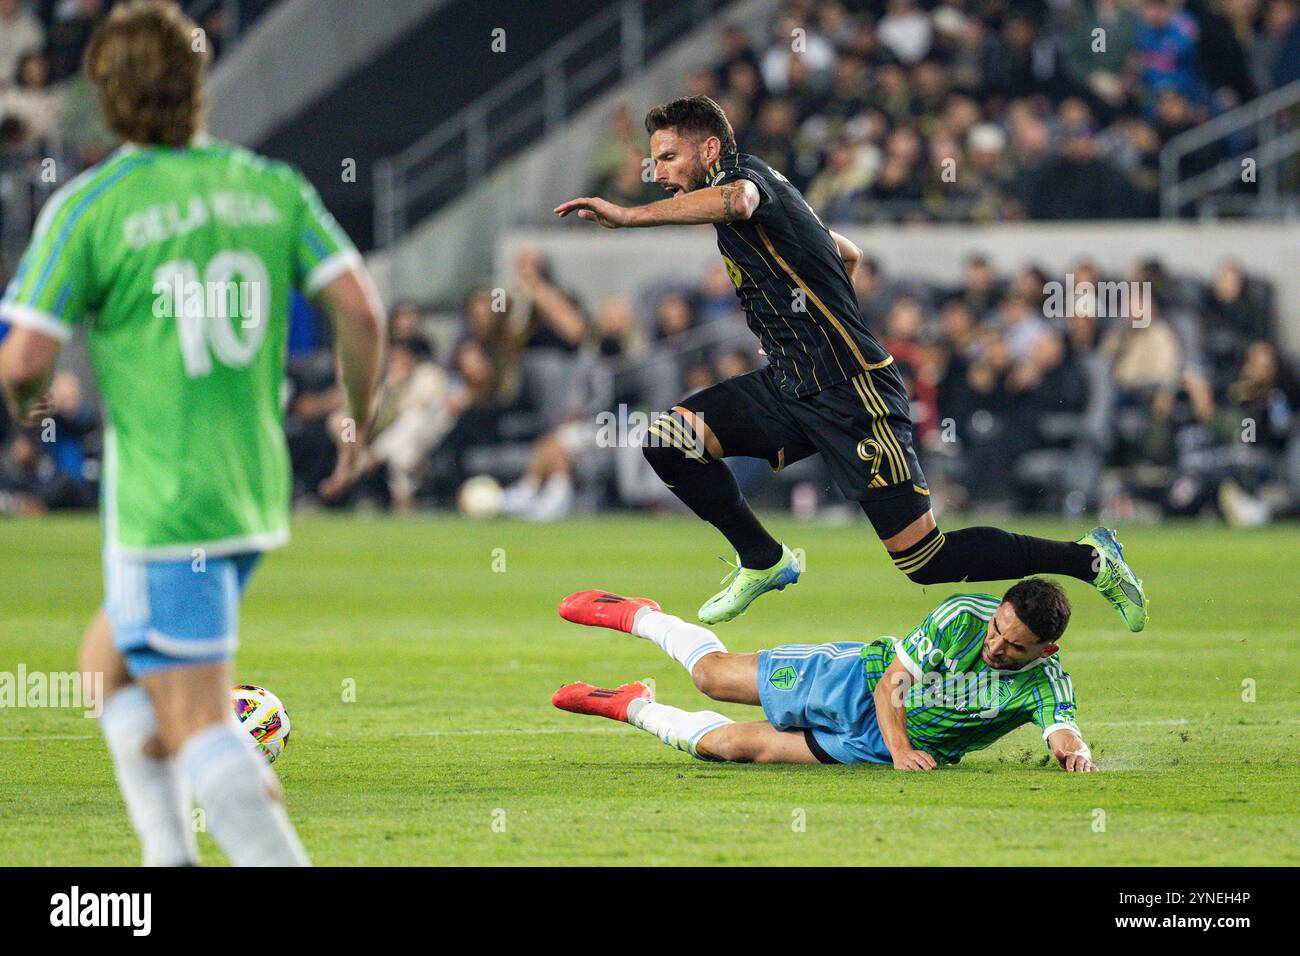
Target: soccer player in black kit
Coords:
[(829, 386)]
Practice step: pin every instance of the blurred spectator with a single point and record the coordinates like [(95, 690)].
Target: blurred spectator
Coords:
[(312, 397), (906, 31), (550, 317), (1278, 50), (53, 465), (1231, 316), (1167, 46), (1099, 67), (1227, 41), (417, 408), (31, 99), (20, 32), (487, 324), (69, 34)]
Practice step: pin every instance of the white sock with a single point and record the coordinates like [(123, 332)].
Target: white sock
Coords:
[(155, 799), (678, 728), (684, 642), (233, 785)]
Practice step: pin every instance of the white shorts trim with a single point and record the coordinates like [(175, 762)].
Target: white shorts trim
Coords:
[(191, 647)]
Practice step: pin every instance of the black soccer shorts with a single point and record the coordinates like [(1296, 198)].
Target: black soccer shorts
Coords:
[(862, 427)]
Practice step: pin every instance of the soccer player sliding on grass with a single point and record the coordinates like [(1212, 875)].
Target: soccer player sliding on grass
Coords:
[(829, 386), (973, 671)]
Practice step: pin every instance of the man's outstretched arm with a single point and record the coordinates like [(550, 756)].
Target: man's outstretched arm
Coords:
[(891, 716), (1071, 752), (725, 203)]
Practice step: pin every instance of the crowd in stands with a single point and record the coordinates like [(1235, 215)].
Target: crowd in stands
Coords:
[(1176, 400), (985, 110), (1183, 404), (1178, 403), (49, 110)]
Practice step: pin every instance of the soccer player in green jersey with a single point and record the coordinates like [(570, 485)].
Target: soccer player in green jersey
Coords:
[(974, 670), (178, 255)]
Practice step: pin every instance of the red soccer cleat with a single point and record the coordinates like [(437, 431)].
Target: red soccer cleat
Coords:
[(583, 698), (602, 609)]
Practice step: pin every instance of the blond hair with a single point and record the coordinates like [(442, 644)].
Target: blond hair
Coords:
[(149, 62)]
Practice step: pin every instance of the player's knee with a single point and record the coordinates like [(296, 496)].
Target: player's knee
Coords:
[(709, 680), (726, 743)]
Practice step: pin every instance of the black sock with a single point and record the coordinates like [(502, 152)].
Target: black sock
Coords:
[(991, 554), (709, 489)]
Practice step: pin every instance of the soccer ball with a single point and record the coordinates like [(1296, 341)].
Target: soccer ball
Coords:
[(263, 716), (480, 497)]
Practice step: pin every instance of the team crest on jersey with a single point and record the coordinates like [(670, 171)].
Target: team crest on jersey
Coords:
[(784, 678), (869, 450), (733, 271)]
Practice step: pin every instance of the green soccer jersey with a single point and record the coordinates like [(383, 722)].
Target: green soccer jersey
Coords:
[(958, 703), (181, 262)]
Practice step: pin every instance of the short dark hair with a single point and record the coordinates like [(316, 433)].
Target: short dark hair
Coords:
[(693, 114), (1041, 606)]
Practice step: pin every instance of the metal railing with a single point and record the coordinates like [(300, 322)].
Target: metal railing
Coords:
[(1269, 130), (610, 48)]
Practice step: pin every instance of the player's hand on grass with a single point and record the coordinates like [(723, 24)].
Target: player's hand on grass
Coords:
[(914, 760), (594, 209), (1075, 762)]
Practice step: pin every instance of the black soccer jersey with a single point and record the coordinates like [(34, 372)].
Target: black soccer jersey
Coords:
[(792, 284)]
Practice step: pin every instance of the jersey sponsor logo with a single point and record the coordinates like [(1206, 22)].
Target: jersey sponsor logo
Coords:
[(784, 678), (982, 694), (733, 271)]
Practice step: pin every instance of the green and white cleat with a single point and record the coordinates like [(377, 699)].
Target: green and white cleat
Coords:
[(1116, 580), (744, 585)]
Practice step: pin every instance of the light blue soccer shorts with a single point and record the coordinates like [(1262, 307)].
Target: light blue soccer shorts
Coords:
[(167, 614), (822, 690)]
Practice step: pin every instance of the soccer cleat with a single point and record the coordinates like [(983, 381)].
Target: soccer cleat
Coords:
[(744, 585), (583, 698), (602, 609), (1116, 580)]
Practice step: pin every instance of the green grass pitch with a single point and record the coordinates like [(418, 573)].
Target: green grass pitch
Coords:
[(452, 754)]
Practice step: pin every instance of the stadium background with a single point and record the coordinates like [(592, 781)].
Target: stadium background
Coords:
[(961, 144)]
